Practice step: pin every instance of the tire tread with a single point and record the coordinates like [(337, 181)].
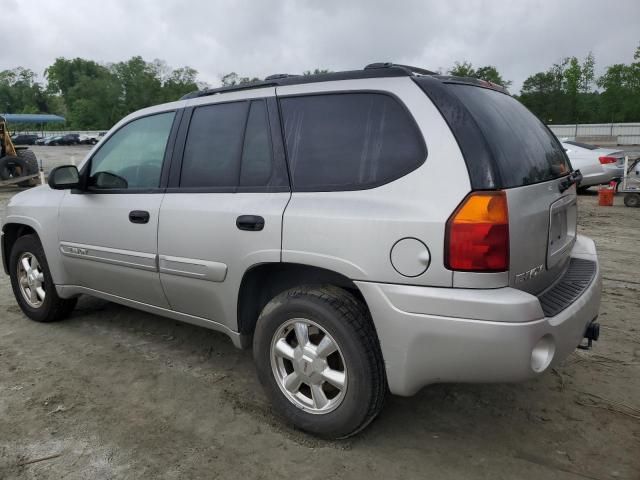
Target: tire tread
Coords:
[(354, 313)]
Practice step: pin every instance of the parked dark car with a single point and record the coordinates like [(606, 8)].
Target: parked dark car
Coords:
[(24, 139), (69, 139), (53, 140)]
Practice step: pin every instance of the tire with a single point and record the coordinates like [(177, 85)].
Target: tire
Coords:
[(12, 167), (48, 309), (632, 200), (333, 313), (30, 158)]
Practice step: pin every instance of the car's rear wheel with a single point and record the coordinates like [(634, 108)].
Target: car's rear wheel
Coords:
[(318, 358), (32, 283)]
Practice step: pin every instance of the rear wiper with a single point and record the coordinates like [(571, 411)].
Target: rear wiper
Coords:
[(573, 178)]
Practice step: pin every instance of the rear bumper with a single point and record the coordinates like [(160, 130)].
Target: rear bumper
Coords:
[(493, 335), (607, 174)]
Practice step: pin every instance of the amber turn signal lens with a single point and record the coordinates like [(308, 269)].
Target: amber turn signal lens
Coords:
[(477, 234)]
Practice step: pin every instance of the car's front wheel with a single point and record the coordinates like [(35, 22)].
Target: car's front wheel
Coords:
[(32, 284), (318, 358)]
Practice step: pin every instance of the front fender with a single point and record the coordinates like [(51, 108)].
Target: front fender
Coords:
[(37, 209)]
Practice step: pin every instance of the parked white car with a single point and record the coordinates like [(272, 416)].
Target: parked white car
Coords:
[(598, 166)]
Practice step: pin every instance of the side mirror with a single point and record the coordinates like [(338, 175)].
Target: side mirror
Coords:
[(64, 177)]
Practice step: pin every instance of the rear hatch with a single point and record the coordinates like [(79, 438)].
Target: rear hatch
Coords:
[(513, 151)]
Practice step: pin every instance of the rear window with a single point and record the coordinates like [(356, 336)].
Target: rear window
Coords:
[(523, 149), (349, 141)]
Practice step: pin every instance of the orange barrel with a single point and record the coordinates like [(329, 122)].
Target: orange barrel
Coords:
[(605, 197)]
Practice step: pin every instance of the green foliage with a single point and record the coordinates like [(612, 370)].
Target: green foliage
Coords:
[(316, 71), (566, 93), (91, 95), (232, 79)]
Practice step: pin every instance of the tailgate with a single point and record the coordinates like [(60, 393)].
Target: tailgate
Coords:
[(542, 231)]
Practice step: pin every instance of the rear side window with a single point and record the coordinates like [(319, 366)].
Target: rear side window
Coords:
[(349, 141), (228, 148), (524, 150), (214, 144)]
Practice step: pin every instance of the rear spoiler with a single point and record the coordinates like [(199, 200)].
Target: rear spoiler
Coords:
[(472, 81)]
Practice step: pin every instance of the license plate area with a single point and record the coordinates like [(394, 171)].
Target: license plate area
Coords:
[(563, 215)]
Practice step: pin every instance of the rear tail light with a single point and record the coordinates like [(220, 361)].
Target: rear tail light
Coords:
[(477, 234), (607, 160)]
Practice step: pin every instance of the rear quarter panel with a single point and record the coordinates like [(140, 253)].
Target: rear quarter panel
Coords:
[(353, 232)]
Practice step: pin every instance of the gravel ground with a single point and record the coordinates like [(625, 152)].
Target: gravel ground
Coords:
[(117, 393)]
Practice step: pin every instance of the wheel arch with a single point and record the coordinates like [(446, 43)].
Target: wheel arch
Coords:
[(262, 282), (10, 233)]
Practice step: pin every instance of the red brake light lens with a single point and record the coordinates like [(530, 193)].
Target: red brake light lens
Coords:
[(477, 234), (606, 160)]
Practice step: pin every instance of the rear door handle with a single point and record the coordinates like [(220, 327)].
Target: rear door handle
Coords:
[(251, 223), (139, 216)]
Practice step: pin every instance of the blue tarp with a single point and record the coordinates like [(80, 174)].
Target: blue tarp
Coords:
[(31, 118)]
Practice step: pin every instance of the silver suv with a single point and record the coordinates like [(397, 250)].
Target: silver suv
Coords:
[(368, 231)]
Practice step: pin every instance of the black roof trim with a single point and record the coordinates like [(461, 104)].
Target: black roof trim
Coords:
[(373, 70)]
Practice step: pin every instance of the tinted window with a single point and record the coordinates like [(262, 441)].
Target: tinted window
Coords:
[(525, 151), (257, 154), (214, 143), (132, 157), (349, 141)]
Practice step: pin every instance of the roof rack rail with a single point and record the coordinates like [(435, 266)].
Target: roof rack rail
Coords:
[(374, 70), (408, 68), (278, 76)]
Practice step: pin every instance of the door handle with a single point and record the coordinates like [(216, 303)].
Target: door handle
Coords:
[(139, 216), (251, 223)]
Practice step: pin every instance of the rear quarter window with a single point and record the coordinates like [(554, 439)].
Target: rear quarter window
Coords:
[(349, 141), (522, 147)]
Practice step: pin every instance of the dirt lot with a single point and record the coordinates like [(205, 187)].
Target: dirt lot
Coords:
[(116, 393)]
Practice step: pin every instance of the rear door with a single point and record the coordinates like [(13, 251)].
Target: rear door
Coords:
[(223, 210), (530, 165)]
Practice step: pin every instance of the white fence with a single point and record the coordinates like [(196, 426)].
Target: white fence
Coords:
[(625, 133), (51, 133)]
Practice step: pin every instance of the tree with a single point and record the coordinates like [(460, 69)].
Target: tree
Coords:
[(232, 79), (316, 71), (621, 91), (464, 69), (488, 73), (20, 92), (564, 93)]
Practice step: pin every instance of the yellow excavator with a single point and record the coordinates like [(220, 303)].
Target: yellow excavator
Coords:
[(18, 165)]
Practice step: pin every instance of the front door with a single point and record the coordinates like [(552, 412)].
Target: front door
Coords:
[(108, 233), (223, 213)]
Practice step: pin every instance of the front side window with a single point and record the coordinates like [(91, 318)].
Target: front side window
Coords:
[(132, 158), (349, 141)]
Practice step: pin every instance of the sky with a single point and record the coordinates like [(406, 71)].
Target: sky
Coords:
[(263, 37)]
